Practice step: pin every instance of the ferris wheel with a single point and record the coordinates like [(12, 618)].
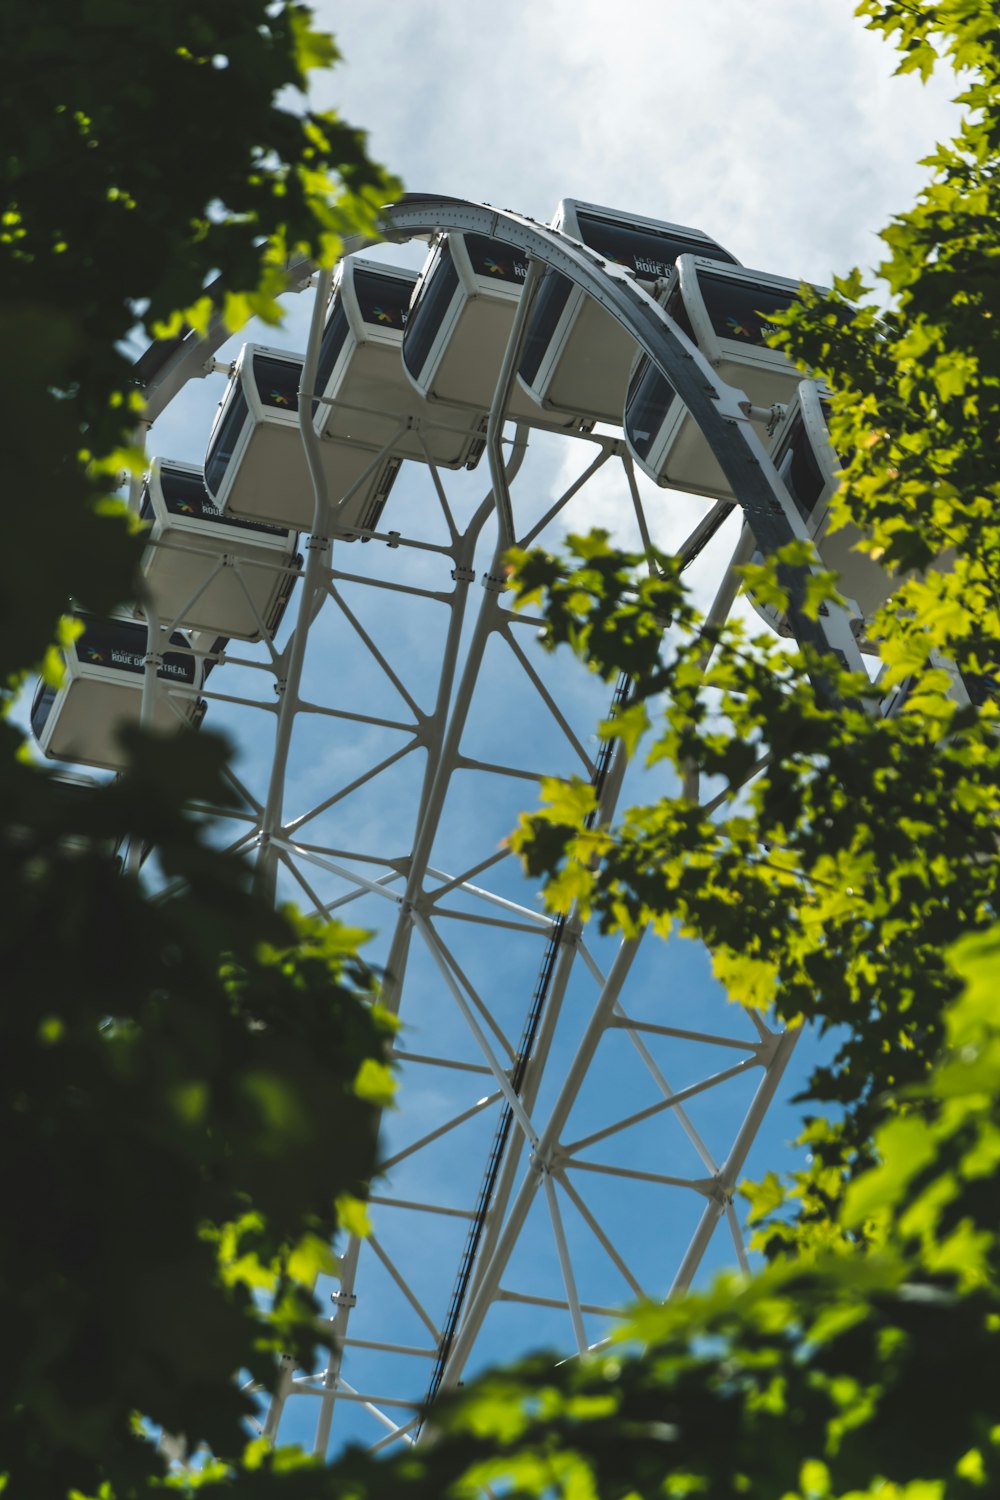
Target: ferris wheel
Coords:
[(574, 1111)]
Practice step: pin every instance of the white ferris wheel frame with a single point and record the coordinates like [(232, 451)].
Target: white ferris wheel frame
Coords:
[(727, 421)]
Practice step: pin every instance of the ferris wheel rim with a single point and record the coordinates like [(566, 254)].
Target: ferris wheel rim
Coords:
[(717, 409)]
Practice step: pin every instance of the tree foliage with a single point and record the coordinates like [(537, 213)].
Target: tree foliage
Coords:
[(188, 1081), (863, 1373), (147, 155), (177, 1143), (845, 850), (182, 1131), (841, 865)]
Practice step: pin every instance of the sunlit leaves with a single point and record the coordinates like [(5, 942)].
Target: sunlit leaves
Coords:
[(181, 1117), (611, 615), (851, 1372), (842, 855), (150, 185), (877, 835), (750, 981), (375, 1083), (310, 48), (352, 1215), (833, 864)]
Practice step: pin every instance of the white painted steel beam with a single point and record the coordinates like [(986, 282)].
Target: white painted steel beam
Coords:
[(414, 877)]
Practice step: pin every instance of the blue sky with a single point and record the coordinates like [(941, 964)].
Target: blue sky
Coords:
[(775, 128)]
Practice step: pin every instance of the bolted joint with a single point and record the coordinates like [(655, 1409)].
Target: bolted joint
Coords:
[(494, 585), (541, 1164), (463, 575), (717, 1190), (152, 659), (318, 543), (767, 416)]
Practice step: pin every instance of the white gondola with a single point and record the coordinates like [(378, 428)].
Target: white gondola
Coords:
[(255, 467), (367, 400), (207, 569), (576, 357), (809, 465), (727, 311), (979, 688), (460, 323), (968, 688), (101, 693)]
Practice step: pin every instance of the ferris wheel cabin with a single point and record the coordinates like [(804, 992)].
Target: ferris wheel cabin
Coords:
[(727, 311), (460, 323), (255, 467), (968, 687), (101, 693), (576, 357), (808, 466), (205, 568), (368, 403)]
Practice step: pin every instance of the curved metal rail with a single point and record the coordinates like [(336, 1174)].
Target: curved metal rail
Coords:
[(499, 1215)]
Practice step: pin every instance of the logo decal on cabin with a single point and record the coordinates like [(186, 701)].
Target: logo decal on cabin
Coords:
[(279, 398), (184, 508), (95, 656), (381, 314), (739, 329), (494, 267)]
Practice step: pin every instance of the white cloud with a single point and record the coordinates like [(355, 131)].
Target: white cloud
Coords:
[(776, 127)]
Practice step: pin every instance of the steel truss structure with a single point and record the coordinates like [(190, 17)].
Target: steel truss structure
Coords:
[(573, 1118)]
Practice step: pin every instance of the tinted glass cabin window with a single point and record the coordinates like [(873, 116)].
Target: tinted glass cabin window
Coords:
[(648, 252), (552, 297), (227, 435), (383, 300), (334, 334), (428, 312), (176, 666), (799, 468), (122, 645), (184, 494), (495, 261), (41, 707), (277, 381), (741, 311), (980, 686), (649, 399)]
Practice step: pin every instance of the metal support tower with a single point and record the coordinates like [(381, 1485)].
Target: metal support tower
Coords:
[(575, 1113)]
